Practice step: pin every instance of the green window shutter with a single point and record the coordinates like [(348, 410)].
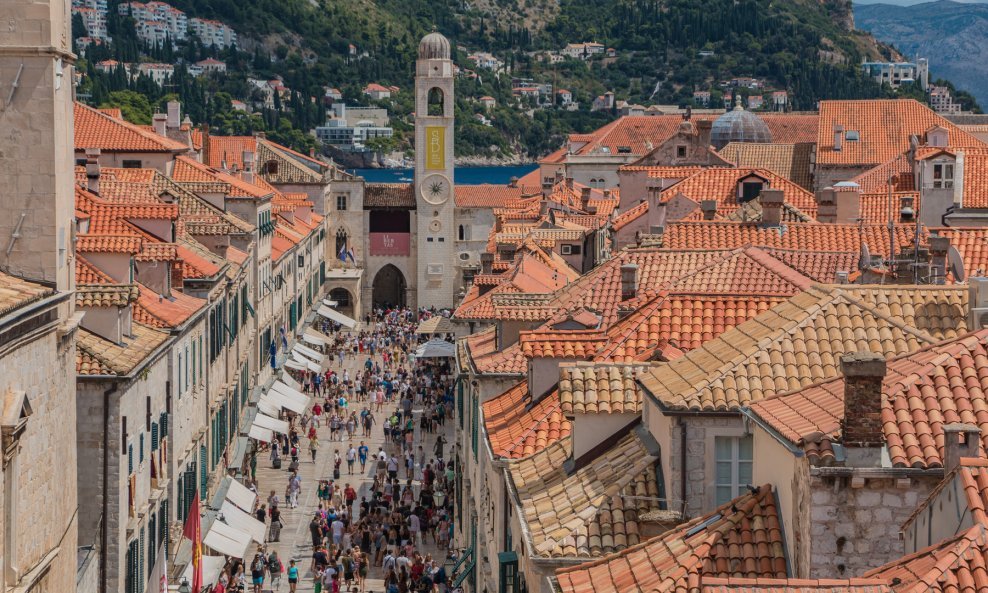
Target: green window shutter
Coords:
[(163, 420), (140, 448), (163, 526), (180, 508), (203, 473), (140, 563), (152, 552), (154, 437), (130, 459), (474, 428)]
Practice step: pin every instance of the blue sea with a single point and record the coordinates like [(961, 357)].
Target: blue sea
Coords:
[(463, 175)]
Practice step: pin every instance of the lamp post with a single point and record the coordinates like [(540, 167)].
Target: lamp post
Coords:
[(184, 587)]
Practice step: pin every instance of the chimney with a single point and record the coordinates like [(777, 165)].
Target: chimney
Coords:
[(977, 302), (177, 284), (709, 209), (92, 169), (205, 143), (960, 440), (584, 196), (486, 263), (160, 122), (569, 182), (174, 115), (906, 212), (838, 137), (826, 201), (863, 376), (847, 201), (312, 153), (513, 182), (772, 201), (629, 281), (248, 160), (703, 127), (939, 246)]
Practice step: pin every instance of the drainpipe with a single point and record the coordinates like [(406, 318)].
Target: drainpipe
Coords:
[(104, 542), (682, 463)]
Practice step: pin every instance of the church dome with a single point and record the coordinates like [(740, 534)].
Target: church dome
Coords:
[(434, 46), (738, 126)]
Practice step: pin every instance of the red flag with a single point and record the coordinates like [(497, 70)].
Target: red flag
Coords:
[(193, 531)]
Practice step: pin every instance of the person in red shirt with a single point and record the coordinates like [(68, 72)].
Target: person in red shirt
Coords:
[(350, 495)]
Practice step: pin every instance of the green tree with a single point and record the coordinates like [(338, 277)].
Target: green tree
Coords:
[(135, 106)]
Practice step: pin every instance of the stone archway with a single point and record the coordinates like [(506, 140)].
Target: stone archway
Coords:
[(389, 287), (344, 301)]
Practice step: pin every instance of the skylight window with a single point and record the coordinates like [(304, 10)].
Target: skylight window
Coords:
[(852, 135)]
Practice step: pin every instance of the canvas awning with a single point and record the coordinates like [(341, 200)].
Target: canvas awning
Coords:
[(436, 324), (227, 539), (287, 380), (240, 495), (330, 303), (298, 366), (265, 421), (309, 352), (212, 566), (336, 316), (259, 433), (238, 519), (267, 406), (289, 398), (301, 360), (314, 340), (318, 334), (436, 348)]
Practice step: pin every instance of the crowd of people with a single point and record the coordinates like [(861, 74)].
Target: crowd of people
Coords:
[(377, 510)]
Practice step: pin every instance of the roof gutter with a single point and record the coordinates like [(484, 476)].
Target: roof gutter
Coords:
[(789, 445)]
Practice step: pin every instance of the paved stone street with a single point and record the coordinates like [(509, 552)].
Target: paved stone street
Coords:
[(295, 542)]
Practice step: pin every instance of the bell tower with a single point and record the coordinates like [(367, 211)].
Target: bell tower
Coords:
[(434, 173)]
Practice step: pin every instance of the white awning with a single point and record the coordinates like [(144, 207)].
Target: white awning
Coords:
[(289, 398), (298, 366), (265, 421), (268, 406), (316, 356), (238, 519), (287, 380), (337, 317), (261, 434), (299, 359), (212, 566), (436, 348), (241, 495), (227, 540), (311, 339), (330, 303)]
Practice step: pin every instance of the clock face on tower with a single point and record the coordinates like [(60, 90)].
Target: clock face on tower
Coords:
[(435, 189)]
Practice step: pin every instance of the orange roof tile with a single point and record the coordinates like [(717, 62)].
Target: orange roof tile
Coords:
[(17, 292), (956, 564), (922, 392), (574, 344), (109, 244), (488, 195), (229, 150), (94, 129), (971, 243), (196, 265), (157, 311), (87, 273), (721, 184), (742, 538), (486, 358), (516, 428), (884, 127)]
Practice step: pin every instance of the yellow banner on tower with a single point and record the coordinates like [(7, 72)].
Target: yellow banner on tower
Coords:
[(435, 148)]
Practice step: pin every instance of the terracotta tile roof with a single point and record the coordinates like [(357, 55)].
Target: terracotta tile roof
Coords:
[(628, 216), (805, 236), (486, 358), (592, 511), (156, 311), (956, 564), (197, 263), (721, 184), (94, 129), (876, 181), (875, 208), (280, 245), (821, 266), (389, 195), (236, 256), (752, 211), (763, 585), (799, 342), (96, 356), (791, 161), (884, 127), (516, 428), (109, 244), (971, 243), (588, 388), (229, 149), (87, 273), (105, 295), (922, 392), (488, 195), (158, 252), (17, 292), (792, 128), (580, 344), (975, 179), (742, 538)]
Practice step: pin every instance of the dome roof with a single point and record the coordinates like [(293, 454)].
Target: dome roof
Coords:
[(738, 126), (434, 46)]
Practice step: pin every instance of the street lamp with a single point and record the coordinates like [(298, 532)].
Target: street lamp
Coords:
[(184, 587)]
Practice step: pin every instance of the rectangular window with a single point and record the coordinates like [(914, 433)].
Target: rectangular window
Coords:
[(193, 361), (181, 389), (132, 164), (733, 457), (341, 202), (943, 176)]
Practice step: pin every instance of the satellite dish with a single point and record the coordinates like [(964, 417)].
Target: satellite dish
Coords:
[(865, 260), (955, 263)]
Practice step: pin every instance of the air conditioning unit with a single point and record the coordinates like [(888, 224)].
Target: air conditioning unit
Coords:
[(977, 318)]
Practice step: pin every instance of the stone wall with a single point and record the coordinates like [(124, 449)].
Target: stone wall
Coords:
[(843, 531), (700, 433)]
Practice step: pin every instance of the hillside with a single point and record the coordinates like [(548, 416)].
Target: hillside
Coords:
[(954, 36), (664, 51)]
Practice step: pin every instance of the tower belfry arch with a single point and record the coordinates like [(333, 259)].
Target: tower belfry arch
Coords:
[(434, 190)]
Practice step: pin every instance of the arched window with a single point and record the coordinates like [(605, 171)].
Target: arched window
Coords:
[(436, 102), (341, 240)]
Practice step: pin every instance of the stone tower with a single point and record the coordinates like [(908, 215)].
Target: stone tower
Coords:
[(36, 139), (434, 173)]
